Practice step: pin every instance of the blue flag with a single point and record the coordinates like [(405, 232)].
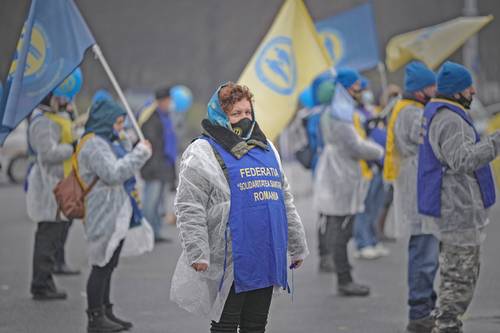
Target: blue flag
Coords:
[(350, 38), (52, 44)]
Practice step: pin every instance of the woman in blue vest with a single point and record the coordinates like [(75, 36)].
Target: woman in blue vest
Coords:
[(455, 189), (236, 217)]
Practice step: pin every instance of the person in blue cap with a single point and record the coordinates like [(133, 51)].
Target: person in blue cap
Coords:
[(401, 170), (455, 188), (339, 186), (237, 220)]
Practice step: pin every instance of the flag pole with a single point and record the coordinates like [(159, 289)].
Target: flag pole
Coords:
[(383, 76), (98, 53)]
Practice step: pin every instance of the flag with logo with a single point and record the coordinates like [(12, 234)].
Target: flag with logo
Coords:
[(285, 63), (350, 38), (432, 45), (52, 44)]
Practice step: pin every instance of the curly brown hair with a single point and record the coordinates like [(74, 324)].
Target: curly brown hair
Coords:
[(232, 93)]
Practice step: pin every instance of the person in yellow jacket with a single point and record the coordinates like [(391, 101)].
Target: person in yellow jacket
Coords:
[(403, 137)]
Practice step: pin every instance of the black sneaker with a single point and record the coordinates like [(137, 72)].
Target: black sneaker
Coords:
[(49, 295), (353, 289), (422, 325)]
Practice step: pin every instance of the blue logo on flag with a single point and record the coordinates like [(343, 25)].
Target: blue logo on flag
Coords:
[(275, 65), (350, 38), (334, 43)]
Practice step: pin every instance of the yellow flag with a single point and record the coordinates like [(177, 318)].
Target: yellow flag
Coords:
[(286, 61), (432, 45)]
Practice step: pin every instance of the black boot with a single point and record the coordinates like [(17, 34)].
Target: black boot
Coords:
[(422, 325), (108, 311), (99, 323)]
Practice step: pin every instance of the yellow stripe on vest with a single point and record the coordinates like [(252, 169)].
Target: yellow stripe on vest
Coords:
[(74, 158), (366, 172), (392, 159), (66, 135)]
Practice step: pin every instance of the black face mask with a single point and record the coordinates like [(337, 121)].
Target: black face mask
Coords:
[(242, 127), (465, 102), (357, 96), (427, 98)]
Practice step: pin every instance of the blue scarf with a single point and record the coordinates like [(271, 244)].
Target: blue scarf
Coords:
[(169, 138), (431, 171), (130, 187)]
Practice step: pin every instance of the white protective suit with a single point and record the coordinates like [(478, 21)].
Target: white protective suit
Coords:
[(44, 138), (339, 188), (407, 131), (107, 206), (202, 208), (463, 216)]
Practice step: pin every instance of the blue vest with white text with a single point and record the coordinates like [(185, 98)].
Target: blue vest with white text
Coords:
[(431, 171), (257, 219)]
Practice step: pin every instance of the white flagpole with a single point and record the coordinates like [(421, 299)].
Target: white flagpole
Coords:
[(114, 82)]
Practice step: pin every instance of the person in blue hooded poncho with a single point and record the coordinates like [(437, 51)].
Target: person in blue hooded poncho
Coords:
[(455, 189), (339, 186), (238, 223), (112, 207)]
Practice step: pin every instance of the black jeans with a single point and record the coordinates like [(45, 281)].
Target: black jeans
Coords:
[(99, 282), (338, 233), (60, 255), (48, 237), (247, 310)]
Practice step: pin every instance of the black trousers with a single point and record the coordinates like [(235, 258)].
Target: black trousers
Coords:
[(60, 255), (99, 282), (337, 233), (48, 238), (246, 310)]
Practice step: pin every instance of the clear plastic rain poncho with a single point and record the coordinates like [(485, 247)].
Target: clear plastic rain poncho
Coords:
[(202, 208), (407, 135), (44, 138), (463, 216), (339, 188), (107, 206)]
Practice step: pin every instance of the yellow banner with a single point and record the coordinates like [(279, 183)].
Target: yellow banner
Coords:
[(286, 61), (432, 45)]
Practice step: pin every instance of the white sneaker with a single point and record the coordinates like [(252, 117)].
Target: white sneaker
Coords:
[(381, 250), (368, 253)]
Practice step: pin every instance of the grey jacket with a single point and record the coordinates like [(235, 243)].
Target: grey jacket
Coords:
[(107, 206), (463, 215), (339, 188), (407, 136), (44, 137)]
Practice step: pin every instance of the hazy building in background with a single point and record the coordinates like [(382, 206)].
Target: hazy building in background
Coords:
[(201, 43)]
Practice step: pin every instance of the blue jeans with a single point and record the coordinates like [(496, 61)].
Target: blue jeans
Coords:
[(423, 263), (365, 224), (153, 204)]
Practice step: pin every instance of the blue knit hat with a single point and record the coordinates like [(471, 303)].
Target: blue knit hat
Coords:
[(453, 78), (365, 83), (418, 76), (347, 77)]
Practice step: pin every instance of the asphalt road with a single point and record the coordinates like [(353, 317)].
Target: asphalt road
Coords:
[(141, 285)]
